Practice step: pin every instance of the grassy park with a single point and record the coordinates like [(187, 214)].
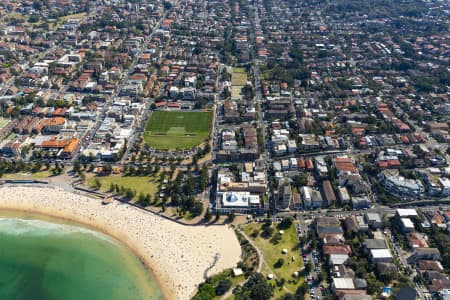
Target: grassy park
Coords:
[(271, 246), (27, 175), (140, 184), (168, 130)]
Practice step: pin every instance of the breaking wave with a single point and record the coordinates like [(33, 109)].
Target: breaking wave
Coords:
[(33, 227)]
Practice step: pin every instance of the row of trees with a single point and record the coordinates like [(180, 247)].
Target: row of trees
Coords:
[(17, 166), (183, 191)]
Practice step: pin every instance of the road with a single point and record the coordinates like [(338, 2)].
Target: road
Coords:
[(40, 55), (128, 72), (265, 155)]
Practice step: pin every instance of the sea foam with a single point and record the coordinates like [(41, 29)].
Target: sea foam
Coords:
[(34, 227)]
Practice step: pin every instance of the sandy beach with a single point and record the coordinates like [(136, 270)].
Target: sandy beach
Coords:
[(177, 255)]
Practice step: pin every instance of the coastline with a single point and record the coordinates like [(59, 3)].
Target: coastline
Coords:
[(176, 255), (148, 265)]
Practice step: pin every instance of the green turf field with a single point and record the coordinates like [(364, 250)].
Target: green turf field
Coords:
[(170, 130)]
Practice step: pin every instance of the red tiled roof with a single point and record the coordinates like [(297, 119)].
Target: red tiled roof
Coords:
[(337, 249)]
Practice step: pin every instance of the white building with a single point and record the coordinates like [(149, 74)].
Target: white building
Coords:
[(407, 225), (292, 146), (280, 149), (240, 201), (321, 166), (445, 185), (343, 195), (381, 255), (406, 212), (400, 186), (294, 165), (306, 192), (343, 284)]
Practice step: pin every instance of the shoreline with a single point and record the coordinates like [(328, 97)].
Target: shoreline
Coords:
[(165, 291), (178, 273)]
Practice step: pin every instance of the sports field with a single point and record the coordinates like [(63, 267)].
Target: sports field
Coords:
[(171, 130), (239, 77)]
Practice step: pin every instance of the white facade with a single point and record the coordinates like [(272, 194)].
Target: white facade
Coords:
[(381, 255), (239, 199), (445, 185)]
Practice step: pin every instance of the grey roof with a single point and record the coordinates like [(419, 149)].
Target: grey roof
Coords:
[(375, 244), (360, 283), (406, 294), (328, 225), (427, 251), (330, 230), (374, 217), (357, 297)]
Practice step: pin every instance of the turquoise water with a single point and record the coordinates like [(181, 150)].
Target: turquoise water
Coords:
[(45, 259)]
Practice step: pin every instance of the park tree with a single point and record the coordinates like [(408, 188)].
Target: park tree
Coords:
[(267, 229), (197, 208), (76, 166), (82, 176), (97, 183), (129, 193), (231, 216), (302, 290), (204, 177), (255, 288), (141, 199), (208, 215), (223, 286), (107, 169), (279, 263), (285, 223)]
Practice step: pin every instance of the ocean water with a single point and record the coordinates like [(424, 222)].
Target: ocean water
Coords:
[(46, 259)]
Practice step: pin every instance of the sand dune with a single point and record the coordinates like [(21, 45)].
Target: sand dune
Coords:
[(177, 255)]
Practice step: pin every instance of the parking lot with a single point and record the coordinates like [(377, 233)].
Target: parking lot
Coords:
[(316, 290)]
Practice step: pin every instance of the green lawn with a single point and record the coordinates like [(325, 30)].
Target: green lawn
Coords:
[(177, 130), (141, 184), (273, 252), (37, 175)]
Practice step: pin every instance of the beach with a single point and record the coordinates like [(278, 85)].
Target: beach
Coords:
[(177, 255)]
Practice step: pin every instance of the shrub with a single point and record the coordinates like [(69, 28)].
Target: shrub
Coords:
[(285, 223), (223, 286), (279, 263)]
